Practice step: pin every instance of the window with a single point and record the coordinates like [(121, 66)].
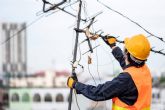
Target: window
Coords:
[(36, 97), (158, 95), (15, 97), (153, 95), (59, 98), (48, 98), (5, 99), (25, 97)]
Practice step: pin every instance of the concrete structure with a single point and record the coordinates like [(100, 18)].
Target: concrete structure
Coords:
[(13, 55), (13, 52)]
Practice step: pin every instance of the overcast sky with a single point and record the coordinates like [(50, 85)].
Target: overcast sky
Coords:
[(51, 39)]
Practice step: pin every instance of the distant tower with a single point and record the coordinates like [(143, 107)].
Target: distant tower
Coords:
[(13, 52)]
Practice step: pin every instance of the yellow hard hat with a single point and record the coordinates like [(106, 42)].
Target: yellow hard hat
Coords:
[(138, 46)]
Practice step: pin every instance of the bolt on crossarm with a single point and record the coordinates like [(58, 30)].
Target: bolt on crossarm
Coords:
[(75, 52)]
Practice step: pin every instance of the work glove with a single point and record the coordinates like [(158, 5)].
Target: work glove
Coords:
[(72, 81), (110, 40)]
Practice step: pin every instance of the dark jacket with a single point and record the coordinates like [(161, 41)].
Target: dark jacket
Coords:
[(122, 86)]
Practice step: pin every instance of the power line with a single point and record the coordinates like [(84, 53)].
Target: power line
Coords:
[(158, 51), (22, 29), (39, 18), (124, 16), (119, 41)]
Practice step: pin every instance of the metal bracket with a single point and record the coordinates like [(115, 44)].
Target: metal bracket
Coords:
[(53, 6)]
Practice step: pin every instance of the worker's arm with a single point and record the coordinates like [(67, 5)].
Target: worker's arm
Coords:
[(118, 54), (116, 51), (123, 84)]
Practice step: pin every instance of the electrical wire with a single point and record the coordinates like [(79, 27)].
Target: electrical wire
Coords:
[(136, 23), (95, 85), (97, 71), (86, 16), (76, 99), (24, 28), (78, 61), (158, 51), (97, 59), (73, 8), (34, 21), (85, 9), (79, 46), (97, 64), (112, 61)]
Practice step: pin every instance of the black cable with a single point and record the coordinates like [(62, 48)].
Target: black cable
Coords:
[(84, 8), (124, 16), (32, 22), (76, 100), (95, 85), (27, 26), (79, 52), (75, 52), (86, 15), (108, 53), (158, 51), (53, 6), (97, 58), (73, 8)]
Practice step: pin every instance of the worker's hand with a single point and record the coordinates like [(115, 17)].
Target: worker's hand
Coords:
[(71, 81), (110, 40)]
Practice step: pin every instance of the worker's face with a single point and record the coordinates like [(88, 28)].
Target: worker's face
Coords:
[(125, 56), (125, 52)]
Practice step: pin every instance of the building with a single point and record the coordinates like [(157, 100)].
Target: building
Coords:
[(13, 52), (47, 91), (13, 55), (44, 90), (42, 79), (39, 98)]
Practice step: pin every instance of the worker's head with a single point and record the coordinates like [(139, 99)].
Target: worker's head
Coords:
[(137, 50)]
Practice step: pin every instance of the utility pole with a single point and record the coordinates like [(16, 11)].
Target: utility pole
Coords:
[(75, 52)]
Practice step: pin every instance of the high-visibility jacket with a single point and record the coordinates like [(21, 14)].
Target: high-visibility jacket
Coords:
[(143, 81)]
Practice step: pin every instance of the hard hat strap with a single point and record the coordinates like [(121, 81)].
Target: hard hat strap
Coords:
[(135, 59)]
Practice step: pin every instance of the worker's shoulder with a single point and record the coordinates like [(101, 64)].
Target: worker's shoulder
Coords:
[(124, 75), (125, 78)]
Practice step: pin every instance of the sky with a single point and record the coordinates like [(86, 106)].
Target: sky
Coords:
[(50, 41)]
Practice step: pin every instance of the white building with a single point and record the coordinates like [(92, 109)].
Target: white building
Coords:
[(45, 79)]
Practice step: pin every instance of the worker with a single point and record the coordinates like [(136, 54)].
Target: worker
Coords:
[(131, 89)]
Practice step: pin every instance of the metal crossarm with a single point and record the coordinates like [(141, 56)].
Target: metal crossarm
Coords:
[(53, 6)]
